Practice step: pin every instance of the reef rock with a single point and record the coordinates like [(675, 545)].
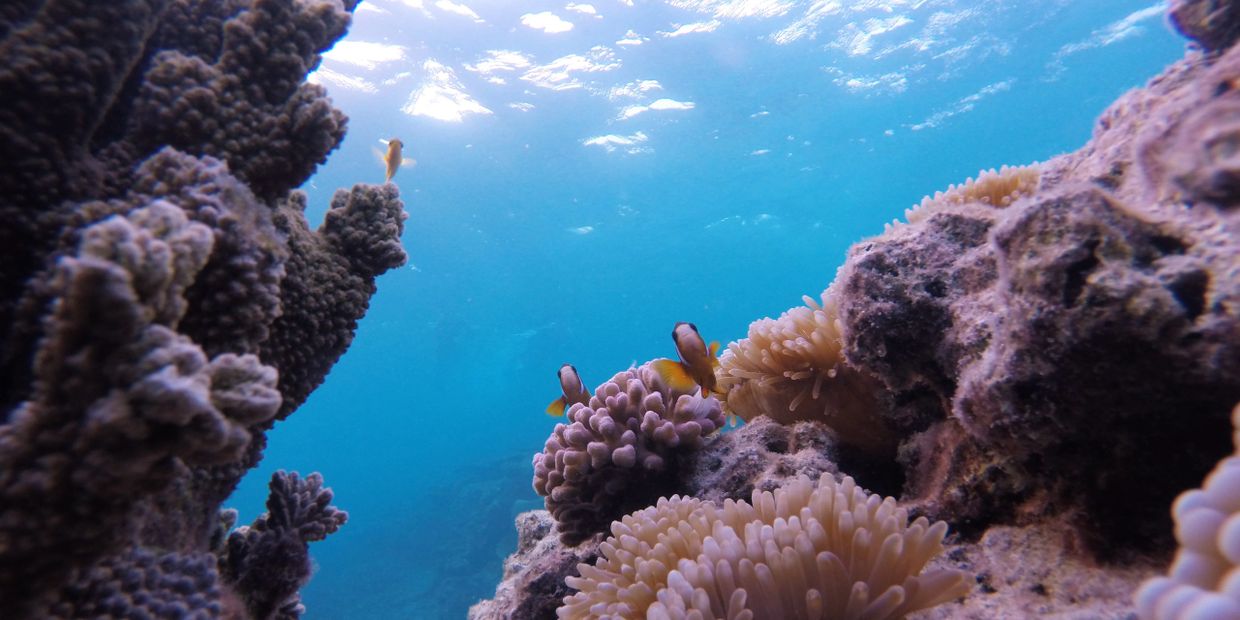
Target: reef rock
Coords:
[(1058, 345), (533, 585)]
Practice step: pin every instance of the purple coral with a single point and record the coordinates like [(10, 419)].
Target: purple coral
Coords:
[(157, 273), (268, 561), (620, 451), (247, 104), (143, 584), (119, 397), (332, 274)]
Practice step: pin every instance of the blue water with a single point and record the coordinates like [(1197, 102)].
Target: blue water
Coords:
[(530, 248)]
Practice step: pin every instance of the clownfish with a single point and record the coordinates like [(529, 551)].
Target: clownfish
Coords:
[(574, 391), (697, 362), (393, 160)]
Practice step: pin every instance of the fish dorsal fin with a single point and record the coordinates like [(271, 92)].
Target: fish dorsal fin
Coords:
[(674, 375), (556, 408)]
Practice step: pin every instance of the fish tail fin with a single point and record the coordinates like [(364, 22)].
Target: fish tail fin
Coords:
[(556, 408), (674, 375), (714, 353)]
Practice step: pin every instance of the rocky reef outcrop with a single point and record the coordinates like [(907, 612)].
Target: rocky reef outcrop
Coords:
[(163, 299), (1043, 357)]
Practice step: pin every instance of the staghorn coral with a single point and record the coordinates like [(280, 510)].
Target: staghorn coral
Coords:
[(620, 451), (1204, 581), (829, 550), (790, 369), (268, 561), (150, 296)]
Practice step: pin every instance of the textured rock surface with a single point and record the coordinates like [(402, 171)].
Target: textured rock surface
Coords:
[(162, 297), (533, 583), (760, 455), (1052, 350), (1032, 572), (1215, 24)]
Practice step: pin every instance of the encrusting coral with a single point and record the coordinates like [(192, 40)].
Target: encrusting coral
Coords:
[(829, 551), (162, 297), (620, 451), (1204, 582)]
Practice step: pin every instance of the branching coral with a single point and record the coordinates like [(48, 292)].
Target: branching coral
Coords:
[(828, 551), (330, 279), (269, 560), (1204, 583), (620, 451), (791, 369), (120, 398), (156, 272)]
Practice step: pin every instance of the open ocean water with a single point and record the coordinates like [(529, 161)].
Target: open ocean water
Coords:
[(589, 174)]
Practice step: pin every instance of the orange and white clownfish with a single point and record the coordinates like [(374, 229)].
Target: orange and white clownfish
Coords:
[(574, 391), (697, 362)]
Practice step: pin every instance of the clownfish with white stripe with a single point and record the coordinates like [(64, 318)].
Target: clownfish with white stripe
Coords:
[(697, 364), (573, 391)]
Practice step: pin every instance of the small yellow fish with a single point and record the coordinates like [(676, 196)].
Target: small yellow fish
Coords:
[(697, 362), (574, 391), (393, 160)]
